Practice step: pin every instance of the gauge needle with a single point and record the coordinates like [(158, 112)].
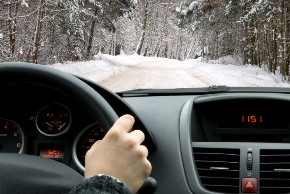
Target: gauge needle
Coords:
[(61, 126), (48, 124)]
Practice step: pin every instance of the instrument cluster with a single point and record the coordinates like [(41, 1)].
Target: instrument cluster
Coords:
[(49, 125)]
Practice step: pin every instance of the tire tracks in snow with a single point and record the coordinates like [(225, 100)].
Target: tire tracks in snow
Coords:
[(159, 73)]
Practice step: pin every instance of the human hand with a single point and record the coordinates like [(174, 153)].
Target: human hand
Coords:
[(120, 155)]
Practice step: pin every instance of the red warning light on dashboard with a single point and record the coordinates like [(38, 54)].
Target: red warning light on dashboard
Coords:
[(249, 185)]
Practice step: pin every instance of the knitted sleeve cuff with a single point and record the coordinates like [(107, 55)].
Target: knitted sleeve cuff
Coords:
[(101, 184)]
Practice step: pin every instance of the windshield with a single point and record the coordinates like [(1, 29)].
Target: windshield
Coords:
[(139, 44)]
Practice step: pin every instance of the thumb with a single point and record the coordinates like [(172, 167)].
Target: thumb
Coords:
[(123, 124)]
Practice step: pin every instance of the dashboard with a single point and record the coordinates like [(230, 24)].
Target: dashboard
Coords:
[(236, 142), (40, 121), (210, 142)]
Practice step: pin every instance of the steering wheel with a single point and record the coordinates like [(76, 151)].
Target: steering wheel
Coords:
[(20, 173)]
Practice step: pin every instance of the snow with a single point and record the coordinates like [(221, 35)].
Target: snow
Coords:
[(229, 59), (190, 73), (24, 3), (102, 67), (240, 76), (183, 12), (135, 2), (193, 4)]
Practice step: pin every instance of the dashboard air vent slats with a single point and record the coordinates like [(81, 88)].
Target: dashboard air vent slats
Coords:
[(218, 169), (274, 171)]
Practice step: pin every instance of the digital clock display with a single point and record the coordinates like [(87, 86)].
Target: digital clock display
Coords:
[(251, 119)]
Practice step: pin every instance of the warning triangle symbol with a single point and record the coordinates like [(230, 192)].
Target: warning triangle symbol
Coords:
[(249, 185)]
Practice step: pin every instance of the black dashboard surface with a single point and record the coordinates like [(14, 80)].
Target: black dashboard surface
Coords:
[(195, 155), (186, 131)]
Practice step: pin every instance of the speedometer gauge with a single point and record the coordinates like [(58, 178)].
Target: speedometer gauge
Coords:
[(83, 143), (53, 120), (11, 137)]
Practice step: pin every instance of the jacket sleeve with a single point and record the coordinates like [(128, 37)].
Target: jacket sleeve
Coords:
[(100, 184)]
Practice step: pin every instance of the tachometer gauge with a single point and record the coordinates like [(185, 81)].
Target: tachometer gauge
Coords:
[(53, 120), (11, 137), (83, 143)]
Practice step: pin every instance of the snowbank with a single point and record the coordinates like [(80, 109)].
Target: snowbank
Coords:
[(227, 60), (236, 76)]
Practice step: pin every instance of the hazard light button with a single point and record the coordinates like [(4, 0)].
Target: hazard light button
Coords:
[(249, 185)]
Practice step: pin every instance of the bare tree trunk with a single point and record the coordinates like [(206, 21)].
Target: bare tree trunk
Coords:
[(285, 39), (246, 45), (165, 54), (40, 16), (12, 26), (163, 30), (91, 36), (149, 39), (275, 56), (144, 26), (269, 44), (113, 44), (282, 50), (190, 50), (177, 51), (288, 39)]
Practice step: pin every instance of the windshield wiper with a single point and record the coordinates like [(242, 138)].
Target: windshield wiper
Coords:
[(205, 90), (177, 91)]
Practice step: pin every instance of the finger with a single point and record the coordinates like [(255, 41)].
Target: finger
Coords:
[(138, 136), (95, 144), (144, 151), (148, 168), (124, 123)]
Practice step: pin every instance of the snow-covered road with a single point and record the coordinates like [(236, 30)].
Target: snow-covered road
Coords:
[(128, 72), (156, 74)]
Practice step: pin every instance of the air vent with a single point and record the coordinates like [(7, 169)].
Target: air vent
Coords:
[(275, 171), (218, 169)]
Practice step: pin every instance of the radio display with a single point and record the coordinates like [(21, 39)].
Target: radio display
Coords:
[(251, 119)]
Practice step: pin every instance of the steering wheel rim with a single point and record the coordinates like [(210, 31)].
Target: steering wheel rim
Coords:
[(93, 102)]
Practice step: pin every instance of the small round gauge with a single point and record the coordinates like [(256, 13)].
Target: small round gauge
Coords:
[(83, 142), (11, 137), (53, 120)]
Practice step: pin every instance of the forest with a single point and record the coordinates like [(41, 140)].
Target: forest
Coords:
[(53, 31)]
